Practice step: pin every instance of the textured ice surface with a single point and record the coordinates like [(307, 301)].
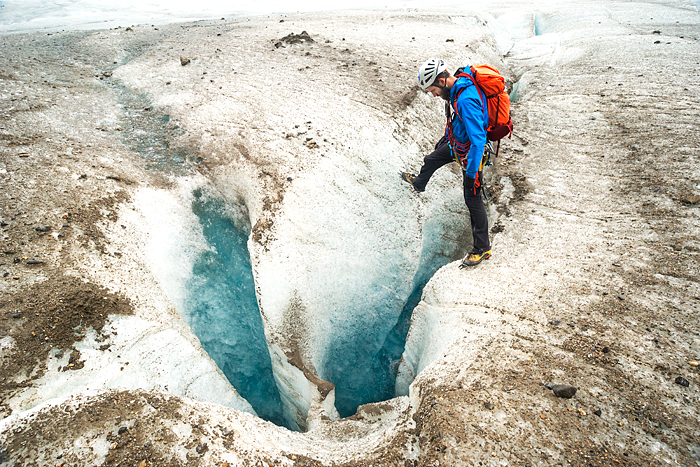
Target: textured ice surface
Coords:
[(143, 354), (199, 252), (215, 289), (149, 133), (352, 258)]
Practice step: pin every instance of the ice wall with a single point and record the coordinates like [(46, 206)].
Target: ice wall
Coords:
[(351, 255), (198, 251), (222, 309)]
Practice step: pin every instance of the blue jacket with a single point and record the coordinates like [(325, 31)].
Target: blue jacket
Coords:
[(469, 121)]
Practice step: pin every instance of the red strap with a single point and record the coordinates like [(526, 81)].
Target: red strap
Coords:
[(481, 95)]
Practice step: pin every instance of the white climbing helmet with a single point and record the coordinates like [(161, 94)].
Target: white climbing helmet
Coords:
[(429, 71)]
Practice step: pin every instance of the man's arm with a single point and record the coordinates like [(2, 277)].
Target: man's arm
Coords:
[(470, 114)]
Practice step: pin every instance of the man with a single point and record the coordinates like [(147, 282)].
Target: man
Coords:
[(464, 141)]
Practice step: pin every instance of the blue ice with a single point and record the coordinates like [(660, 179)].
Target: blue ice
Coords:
[(362, 360), (222, 309)]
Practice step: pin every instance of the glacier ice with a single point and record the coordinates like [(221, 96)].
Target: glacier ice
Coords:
[(363, 364), (222, 309), (198, 251), (206, 265), (206, 269)]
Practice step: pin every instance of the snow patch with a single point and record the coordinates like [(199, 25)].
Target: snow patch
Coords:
[(174, 236), (7, 343), (507, 190), (139, 354)]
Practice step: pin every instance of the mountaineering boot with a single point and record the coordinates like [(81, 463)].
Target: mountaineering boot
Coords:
[(408, 178), (474, 258)]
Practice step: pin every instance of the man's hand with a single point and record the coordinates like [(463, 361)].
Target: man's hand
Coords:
[(469, 183)]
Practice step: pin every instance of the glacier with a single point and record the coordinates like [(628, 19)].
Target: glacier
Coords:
[(291, 227), (297, 266)]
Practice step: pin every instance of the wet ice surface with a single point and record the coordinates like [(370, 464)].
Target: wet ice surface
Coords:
[(148, 132)]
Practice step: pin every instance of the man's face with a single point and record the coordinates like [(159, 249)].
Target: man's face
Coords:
[(439, 91)]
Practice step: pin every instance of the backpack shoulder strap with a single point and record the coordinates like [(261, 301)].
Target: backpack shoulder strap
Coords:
[(478, 89)]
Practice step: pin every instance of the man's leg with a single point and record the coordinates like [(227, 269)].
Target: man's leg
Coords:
[(477, 215), (432, 162)]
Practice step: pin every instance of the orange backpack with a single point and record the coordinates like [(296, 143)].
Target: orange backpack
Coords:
[(492, 85)]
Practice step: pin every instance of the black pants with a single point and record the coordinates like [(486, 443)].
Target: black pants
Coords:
[(477, 210)]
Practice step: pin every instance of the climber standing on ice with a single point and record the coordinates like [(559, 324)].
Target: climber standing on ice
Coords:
[(464, 142)]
